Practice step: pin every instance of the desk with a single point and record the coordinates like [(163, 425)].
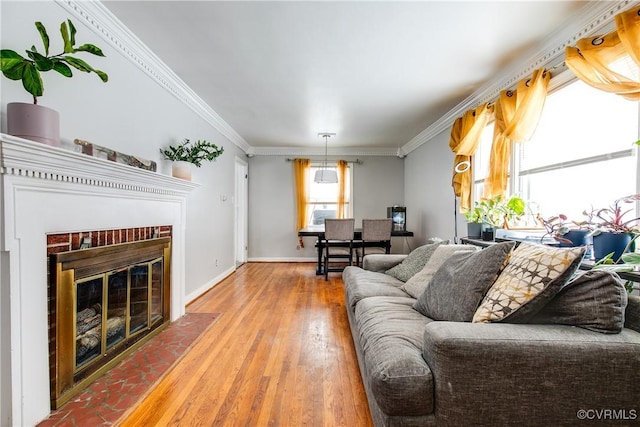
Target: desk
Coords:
[(318, 232)]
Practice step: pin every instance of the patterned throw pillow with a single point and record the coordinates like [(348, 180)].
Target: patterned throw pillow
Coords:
[(416, 285), (413, 263), (458, 286), (533, 276)]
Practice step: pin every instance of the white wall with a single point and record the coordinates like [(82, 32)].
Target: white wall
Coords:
[(428, 191), (377, 183), (135, 115)]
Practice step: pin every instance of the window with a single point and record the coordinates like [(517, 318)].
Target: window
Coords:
[(323, 198), (582, 154)]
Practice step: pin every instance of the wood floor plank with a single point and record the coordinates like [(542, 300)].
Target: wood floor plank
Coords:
[(280, 354)]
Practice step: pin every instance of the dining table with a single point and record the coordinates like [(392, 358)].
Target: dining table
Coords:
[(317, 231)]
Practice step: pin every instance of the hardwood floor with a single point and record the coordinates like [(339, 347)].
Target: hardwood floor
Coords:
[(280, 354)]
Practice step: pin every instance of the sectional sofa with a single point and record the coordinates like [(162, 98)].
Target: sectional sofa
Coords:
[(568, 355)]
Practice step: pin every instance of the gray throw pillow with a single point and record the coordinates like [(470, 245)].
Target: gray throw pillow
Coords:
[(594, 300), (413, 263), (457, 288), (416, 285)]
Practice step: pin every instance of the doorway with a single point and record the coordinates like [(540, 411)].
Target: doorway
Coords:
[(241, 212)]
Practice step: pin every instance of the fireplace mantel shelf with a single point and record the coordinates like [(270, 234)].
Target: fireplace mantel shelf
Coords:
[(32, 159)]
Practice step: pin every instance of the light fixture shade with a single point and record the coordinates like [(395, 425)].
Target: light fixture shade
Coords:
[(326, 176)]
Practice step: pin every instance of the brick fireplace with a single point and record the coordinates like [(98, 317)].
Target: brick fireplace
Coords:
[(105, 300), (46, 192)]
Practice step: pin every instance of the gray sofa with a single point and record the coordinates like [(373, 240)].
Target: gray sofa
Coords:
[(420, 372)]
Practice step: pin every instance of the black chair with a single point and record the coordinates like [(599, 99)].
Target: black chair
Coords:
[(337, 243), (376, 238)]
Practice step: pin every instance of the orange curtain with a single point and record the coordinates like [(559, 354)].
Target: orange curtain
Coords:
[(592, 58), (516, 117), (342, 180), (465, 137), (300, 175)]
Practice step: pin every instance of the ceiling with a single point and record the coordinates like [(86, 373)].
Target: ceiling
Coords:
[(375, 73)]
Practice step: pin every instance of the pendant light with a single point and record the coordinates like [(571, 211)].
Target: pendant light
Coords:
[(324, 175)]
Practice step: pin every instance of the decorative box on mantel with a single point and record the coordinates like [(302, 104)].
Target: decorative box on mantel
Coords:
[(49, 190)]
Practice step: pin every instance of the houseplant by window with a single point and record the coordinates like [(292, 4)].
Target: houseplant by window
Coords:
[(494, 212), (33, 121), (613, 230), (187, 153)]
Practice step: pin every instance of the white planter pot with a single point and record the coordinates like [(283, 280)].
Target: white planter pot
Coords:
[(181, 170), (33, 122)]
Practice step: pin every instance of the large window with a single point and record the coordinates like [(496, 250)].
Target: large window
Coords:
[(323, 198), (583, 153)]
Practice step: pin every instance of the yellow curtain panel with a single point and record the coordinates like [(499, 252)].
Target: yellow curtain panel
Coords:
[(517, 114), (300, 175), (465, 138), (342, 179), (592, 58)]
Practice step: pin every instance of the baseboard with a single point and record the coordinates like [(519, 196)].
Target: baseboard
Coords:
[(210, 284), (314, 259)]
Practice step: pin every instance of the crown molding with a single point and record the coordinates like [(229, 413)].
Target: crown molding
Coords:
[(596, 17), (106, 25), (319, 151)]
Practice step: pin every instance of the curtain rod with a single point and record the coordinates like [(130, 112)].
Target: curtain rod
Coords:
[(356, 161)]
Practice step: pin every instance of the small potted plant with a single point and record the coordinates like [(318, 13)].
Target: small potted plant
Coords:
[(474, 223), (612, 229), (495, 212), (34, 121), (567, 233), (187, 153)]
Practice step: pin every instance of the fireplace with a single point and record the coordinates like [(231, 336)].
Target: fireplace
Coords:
[(104, 303)]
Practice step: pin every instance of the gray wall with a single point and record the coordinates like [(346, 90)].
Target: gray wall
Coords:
[(378, 182), (133, 114), (428, 191)]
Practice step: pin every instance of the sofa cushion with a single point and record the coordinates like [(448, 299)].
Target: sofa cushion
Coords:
[(391, 335), (416, 285), (359, 283), (413, 263), (594, 300), (457, 288), (533, 276)]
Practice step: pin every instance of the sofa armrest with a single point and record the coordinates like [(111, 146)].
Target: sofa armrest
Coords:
[(381, 262), (508, 374)]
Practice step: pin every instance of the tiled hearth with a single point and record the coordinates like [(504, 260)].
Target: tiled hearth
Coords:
[(112, 395)]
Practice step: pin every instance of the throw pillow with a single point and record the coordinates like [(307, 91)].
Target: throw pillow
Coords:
[(457, 288), (594, 300), (416, 285), (533, 276), (413, 263)]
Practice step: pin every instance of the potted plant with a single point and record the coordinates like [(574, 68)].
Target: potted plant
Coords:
[(565, 231), (495, 212), (612, 229), (33, 121), (187, 153), (474, 223)]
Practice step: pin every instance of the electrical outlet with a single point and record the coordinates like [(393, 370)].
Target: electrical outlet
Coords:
[(216, 263)]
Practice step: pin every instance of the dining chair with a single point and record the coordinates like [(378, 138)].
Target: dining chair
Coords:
[(337, 243), (376, 238)]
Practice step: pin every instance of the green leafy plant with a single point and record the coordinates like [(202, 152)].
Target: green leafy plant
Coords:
[(628, 262), (194, 153), (496, 210), (16, 67)]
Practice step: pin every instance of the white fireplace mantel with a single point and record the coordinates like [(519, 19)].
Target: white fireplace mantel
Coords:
[(51, 190)]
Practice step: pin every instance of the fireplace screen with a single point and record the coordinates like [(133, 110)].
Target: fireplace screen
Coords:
[(118, 295)]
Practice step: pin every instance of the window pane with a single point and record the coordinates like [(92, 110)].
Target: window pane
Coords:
[(579, 121), (572, 190)]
